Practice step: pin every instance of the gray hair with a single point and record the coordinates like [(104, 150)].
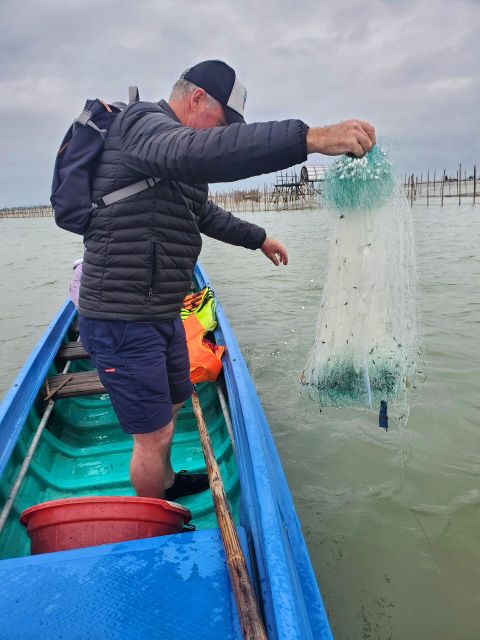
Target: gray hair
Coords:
[(183, 88)]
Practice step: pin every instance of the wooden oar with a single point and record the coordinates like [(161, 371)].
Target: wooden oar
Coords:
[(250, 621)]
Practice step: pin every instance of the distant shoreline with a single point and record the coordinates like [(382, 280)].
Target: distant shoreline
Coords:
[(303, 195)]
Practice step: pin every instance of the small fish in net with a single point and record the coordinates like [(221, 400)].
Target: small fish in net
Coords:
[(365, 349)]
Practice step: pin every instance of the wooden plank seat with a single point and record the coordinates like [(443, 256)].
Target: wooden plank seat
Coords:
[(70, 385), (72, 351)]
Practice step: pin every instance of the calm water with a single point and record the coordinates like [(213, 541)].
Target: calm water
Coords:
[(395, 546)]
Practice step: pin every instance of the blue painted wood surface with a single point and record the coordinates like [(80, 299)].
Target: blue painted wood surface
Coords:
[(164, 588)]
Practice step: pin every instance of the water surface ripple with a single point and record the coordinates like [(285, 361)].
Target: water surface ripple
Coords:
[(392, 520)]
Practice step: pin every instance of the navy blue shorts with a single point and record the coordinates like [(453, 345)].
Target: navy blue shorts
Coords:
[(143, 366)]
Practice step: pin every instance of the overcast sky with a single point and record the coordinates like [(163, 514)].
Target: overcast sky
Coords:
[(412, 68)]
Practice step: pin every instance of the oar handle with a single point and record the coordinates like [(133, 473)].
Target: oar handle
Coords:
[(248, 613)]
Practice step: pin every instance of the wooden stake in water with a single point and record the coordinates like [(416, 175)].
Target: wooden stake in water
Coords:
[(459, 183), (474, 183)]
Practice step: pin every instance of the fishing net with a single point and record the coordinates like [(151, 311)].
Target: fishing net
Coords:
[(365, 350)]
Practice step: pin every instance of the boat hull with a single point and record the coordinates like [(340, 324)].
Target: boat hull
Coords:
[(258, 491)]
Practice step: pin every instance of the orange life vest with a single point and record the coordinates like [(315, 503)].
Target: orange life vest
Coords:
[(199, 318)]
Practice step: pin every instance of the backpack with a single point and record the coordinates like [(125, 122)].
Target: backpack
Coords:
[(75, 166)]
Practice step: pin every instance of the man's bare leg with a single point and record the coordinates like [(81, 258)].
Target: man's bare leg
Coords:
[(150, 467)]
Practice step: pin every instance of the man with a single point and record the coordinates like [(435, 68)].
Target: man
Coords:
[(140, 251)]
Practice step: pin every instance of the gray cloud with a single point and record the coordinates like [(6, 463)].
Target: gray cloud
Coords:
[(410, 67)]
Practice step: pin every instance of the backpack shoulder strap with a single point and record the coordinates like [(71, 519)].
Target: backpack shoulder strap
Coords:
[(133, 95), (85, 118), (125, 192)]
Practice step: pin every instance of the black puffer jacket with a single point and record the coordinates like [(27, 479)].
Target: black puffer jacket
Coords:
[(140, 252)]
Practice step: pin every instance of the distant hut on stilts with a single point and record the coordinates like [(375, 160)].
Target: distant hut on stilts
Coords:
[(312, 177)]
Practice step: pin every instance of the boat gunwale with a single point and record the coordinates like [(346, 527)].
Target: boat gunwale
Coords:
[(293, 606), (21, 396)]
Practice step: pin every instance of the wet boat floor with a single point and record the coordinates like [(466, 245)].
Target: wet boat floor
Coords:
[(84, 452)]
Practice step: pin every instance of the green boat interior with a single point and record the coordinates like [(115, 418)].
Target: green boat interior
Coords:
[(83, 452)]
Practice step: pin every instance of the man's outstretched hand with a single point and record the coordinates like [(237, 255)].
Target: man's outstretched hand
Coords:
[(275, 251), (353, 136)]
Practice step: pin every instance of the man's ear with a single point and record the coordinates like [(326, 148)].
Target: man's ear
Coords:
[(196, 99)]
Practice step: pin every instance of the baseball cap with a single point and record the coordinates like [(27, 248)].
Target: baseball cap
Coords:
[(222, 83)]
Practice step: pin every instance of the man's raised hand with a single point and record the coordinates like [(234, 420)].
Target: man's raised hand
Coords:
[(353, 136)]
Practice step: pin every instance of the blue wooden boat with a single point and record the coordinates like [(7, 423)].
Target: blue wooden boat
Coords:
[(163, 587)]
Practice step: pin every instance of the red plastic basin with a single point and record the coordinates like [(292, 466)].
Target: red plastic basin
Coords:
[(84, 522)]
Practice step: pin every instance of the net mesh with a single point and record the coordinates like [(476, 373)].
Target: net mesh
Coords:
[(365, 348)]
